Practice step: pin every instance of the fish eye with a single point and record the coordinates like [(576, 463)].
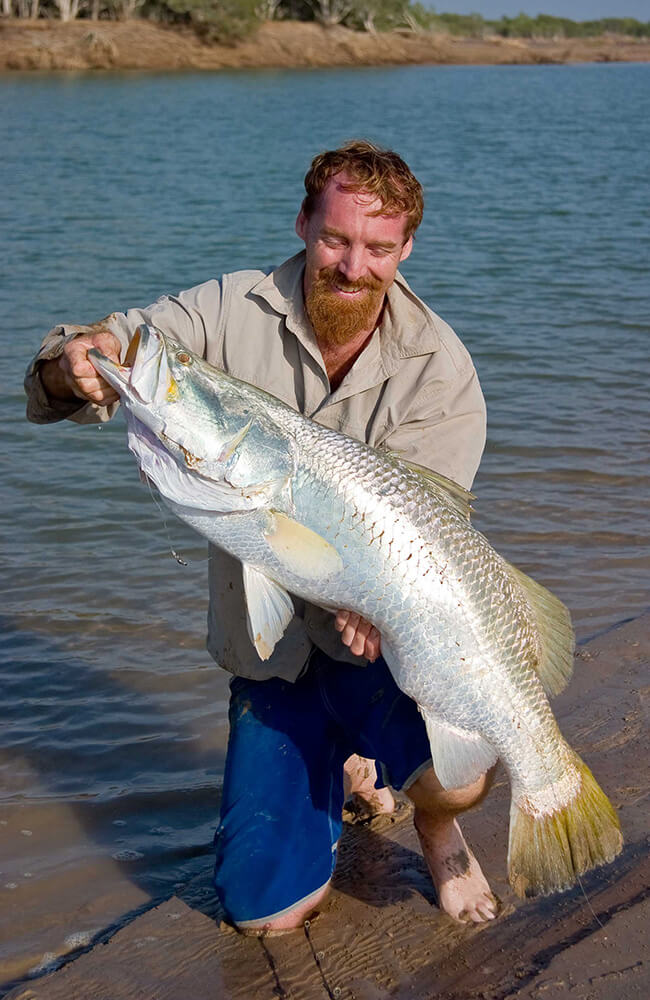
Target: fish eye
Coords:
[(184, 358)]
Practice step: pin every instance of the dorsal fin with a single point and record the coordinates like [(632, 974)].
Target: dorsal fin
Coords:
[(458, 496)]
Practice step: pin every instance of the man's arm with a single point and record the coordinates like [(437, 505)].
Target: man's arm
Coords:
[(60, 381)]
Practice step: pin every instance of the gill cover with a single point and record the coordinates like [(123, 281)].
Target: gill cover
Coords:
[(204, 439)]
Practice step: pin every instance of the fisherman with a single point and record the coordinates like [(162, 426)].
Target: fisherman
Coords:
[(336, 333)]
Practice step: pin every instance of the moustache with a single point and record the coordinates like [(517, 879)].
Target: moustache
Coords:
[(331, 276)]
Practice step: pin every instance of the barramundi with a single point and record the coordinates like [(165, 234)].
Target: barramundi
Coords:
[(311, 512)]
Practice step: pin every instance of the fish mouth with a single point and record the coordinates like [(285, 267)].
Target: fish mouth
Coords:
[(144, 374)]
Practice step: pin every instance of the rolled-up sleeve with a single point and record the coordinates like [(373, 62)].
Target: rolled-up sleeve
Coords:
[(187, 317)]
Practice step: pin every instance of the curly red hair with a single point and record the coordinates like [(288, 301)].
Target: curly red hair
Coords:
[(373, 170)]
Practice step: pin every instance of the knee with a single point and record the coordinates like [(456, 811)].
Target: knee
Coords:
[(290, 920), (263, 890), (429, 795)]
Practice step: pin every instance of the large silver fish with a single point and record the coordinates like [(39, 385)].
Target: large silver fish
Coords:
[(311, 512)]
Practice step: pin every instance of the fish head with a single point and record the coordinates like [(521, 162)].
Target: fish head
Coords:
[(214, 427)]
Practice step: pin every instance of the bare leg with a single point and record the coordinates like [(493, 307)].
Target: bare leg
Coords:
[(462, 889), (359, 775), (288, 921)]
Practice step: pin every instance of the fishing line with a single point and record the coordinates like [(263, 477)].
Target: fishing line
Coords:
[(179, 559)]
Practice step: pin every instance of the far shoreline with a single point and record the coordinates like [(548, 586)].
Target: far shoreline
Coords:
[(46, 45)]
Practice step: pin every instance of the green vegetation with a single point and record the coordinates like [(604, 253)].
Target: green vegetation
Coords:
[(228, 21), (224, 21), (524, 26)]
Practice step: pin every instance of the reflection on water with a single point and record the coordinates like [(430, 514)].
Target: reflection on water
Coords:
[(534, 247)]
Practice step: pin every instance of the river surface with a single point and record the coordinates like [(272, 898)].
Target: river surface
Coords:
[(117, 188)]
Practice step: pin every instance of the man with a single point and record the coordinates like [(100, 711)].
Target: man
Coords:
[(336, 333)]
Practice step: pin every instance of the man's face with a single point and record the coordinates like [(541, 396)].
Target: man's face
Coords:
[(352, 259)]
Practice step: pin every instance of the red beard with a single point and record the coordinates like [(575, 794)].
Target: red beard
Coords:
[(335, 320)]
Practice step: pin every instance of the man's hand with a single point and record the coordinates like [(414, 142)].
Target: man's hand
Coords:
[(360, 636), (72, 374)]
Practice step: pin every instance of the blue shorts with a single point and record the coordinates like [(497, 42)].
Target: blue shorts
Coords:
[(283, 785)]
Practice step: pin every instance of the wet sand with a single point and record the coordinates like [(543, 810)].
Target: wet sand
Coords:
[(82, 45), (381, 935)]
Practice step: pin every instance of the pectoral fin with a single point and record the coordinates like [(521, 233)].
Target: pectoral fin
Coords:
[(269, 610), (459, 756), (301, 551)]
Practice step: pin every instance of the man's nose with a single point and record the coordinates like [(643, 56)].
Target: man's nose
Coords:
[(352, 264)]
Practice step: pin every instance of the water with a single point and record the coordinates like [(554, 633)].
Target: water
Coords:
[(116, 188)]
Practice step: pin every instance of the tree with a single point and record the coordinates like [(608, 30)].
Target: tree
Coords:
[(331, 12), (267, 10), (68, 9), (376, 15), (127, 8)]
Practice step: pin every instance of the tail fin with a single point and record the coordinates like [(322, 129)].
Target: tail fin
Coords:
[(548, 850)]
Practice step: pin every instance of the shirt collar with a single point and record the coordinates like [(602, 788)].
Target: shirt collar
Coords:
[(407, 328)]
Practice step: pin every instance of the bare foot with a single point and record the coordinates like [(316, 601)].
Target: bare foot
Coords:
[(463, 891), (359, 775)]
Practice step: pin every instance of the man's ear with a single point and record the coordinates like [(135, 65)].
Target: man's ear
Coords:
[(301, 225), (406, 249)]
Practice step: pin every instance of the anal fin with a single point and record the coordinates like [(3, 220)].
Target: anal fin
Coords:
[(459, 756)]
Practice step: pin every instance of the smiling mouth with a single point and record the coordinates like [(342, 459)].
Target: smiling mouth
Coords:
[(349, 288)]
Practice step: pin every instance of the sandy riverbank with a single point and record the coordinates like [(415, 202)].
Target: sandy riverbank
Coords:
[(381, 935), (82, 45)]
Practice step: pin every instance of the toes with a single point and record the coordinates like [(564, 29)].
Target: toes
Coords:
[(486, 911), (478, 912)]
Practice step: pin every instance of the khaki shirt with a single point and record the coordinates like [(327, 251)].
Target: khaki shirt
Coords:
[(412, 390)]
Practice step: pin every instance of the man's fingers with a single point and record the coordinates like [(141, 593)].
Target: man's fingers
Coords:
[(96, 390), (341, 620), (358, 635), (81, 375), (349, 632), (373, 645), (358, 644), (75, 352), (86, 382), (108, 344)]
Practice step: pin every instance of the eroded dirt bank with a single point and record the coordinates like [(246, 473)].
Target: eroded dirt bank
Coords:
[(82, 45)]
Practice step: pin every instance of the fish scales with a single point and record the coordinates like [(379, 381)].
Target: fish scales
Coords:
[(312, 512), (403, 517)]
